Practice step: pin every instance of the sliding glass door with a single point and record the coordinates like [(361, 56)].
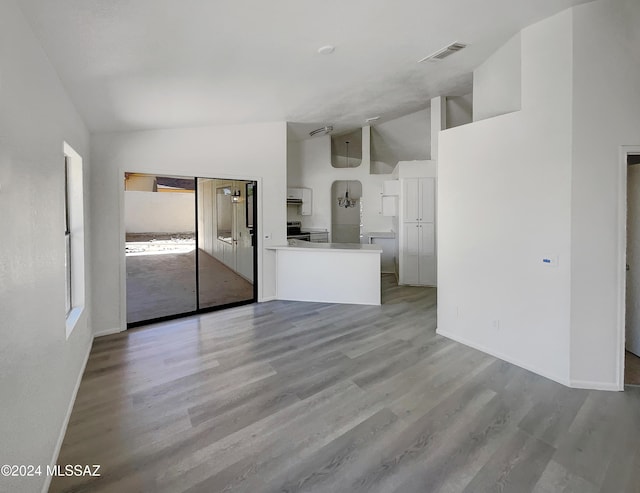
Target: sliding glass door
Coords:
[(225, 242), (190, 245)]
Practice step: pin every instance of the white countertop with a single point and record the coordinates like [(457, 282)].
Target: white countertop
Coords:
[(301, 245), (381, 234)]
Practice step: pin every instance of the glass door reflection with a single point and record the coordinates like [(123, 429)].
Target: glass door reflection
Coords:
[(225, 242)]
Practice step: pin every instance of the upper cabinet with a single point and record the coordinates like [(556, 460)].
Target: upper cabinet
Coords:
[(418, 199), (301, 197), (390, 193), (294, 195)]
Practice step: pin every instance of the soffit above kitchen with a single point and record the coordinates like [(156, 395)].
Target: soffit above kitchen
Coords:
[(145, 64)]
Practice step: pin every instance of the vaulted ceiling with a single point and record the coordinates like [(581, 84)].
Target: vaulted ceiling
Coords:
[(142, 64)]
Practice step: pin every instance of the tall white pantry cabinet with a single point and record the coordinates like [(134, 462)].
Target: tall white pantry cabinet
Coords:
[(417, 245)]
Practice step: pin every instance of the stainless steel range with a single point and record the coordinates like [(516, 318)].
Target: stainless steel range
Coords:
[(294, 231)]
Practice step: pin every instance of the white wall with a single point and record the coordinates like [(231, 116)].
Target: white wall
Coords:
[(497, 84), (312, 169), (343, 155), (294, 168), (503, 208), (459, 110), (403, 139), (294, 161), (153, 212), (606, 115), (251, 152), (39, 367)]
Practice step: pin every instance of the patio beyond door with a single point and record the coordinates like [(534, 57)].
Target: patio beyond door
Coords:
[(190, 245)]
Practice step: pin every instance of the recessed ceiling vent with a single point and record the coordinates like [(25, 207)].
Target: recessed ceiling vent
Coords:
[(327, 129), (444, 52)]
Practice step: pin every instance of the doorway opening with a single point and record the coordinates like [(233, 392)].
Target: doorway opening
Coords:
[(346, 211), (632, 281), (190, 245)]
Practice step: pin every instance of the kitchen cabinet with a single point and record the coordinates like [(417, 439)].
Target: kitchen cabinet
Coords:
[(390, 193), (389, 206), (300, 197), (418, 199), (391, 187), (294, 195), (417, 249), (418, 261)]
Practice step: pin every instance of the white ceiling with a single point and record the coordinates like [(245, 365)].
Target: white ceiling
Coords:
[(141, 64)]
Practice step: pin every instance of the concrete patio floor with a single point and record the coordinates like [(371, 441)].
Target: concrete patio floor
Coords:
[(162, 283)]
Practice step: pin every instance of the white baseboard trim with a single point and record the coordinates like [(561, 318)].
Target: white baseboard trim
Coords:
[(586, 384), (108, 332), (267, 298), (65, 423), (503, 357)]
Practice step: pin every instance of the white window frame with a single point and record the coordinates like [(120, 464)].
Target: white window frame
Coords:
[(74, 201), (67, 240)]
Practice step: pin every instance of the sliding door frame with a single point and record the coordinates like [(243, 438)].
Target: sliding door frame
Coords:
[(254, 240), (197, 234), (124, 324)]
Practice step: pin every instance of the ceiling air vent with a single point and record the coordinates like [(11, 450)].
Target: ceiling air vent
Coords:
[(444, 52)]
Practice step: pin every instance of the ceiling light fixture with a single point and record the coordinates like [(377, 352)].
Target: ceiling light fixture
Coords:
[(322, 130), (326, 50)]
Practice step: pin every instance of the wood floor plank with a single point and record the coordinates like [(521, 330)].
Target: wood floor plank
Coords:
[(454, 465), (318, 397), (594, 436), (262, 447), (401, 451), (515, 468), (310, 472), (550, 416)]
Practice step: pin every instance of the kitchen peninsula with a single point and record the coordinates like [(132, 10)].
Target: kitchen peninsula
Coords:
[(328, 272)]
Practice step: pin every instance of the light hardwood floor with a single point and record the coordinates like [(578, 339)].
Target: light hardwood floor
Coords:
[(288, 397)]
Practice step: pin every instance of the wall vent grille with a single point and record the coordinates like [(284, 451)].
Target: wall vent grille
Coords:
[(444, 52)]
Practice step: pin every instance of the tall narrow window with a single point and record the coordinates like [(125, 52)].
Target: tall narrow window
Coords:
[(73, 237), (67, 238)]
